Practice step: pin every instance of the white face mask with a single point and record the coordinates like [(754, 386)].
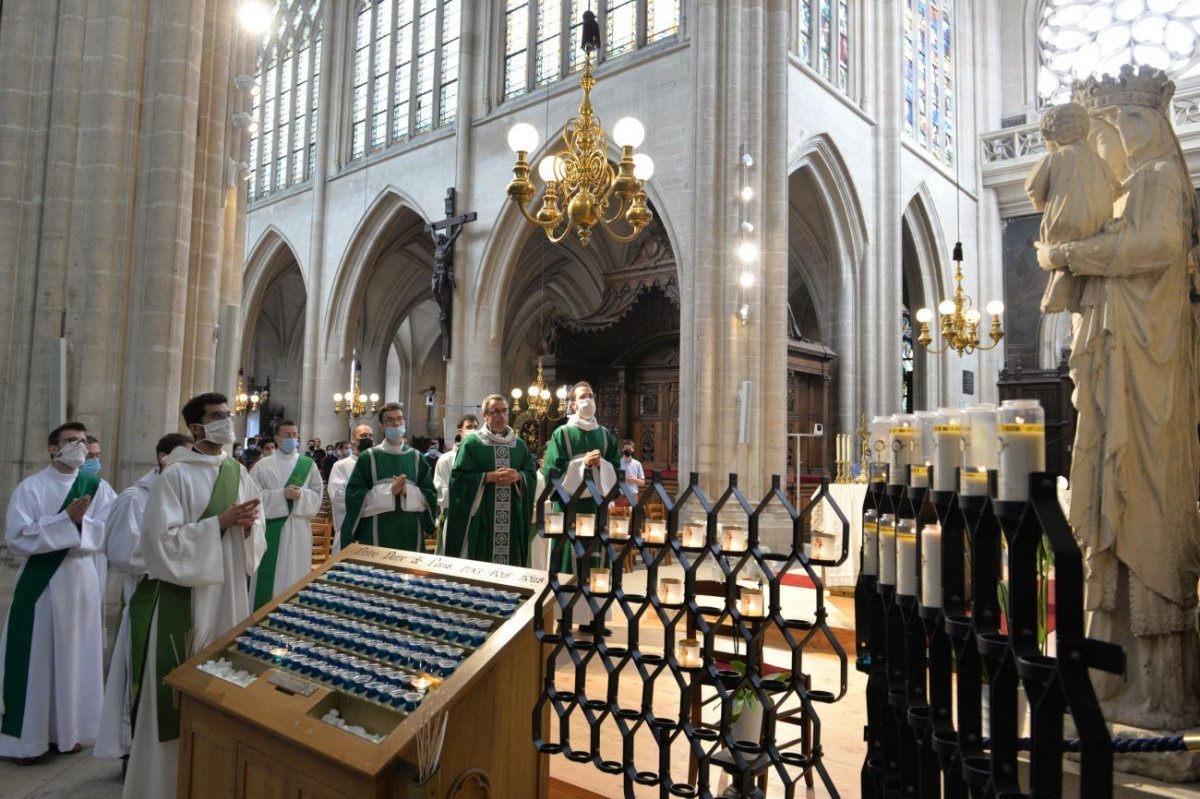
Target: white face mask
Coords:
[(219, 432), (72, 455), (586, 408)]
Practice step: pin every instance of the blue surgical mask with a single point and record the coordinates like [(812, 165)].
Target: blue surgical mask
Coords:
[(92, 465), (395, 433), (289, 445)]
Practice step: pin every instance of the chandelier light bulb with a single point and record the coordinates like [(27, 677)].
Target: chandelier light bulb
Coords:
[(546, 168), (972, 316), (362, 397), (746, 280), (533, 391), (517, 393), (545, 394), (255, 17), (628, 132), (924, 316), (946, 307), (337, 397), (995, 307), (522, 138), (747, 193), (747, 227), (254, 398), (748, 251), (374, 398), (643, 166), (561, 393)]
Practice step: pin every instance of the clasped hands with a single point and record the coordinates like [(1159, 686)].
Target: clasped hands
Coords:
[(77, 508), (292, 493), (504, 476), (400, 485), (240, 514)]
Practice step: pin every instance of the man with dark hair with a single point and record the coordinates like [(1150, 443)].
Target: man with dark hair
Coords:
[(92, 462), (122, 534), (441, 470), (390, 494), (339, 477), (291, 490), (635, 475), (201, 540), (266, 446), (52, 646)]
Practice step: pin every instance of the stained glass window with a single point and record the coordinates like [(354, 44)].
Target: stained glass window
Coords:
[(405, 77), (553, 27), (1090, 37), (823, 39), (929, 73), (906, 362), (283, 149)]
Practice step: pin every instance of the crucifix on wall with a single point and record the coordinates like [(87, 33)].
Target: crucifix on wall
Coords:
[(444, 232)]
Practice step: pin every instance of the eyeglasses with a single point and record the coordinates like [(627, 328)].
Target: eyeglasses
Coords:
[(217, 416)]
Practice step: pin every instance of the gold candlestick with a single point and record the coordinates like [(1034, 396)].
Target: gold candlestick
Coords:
[(865, 461)]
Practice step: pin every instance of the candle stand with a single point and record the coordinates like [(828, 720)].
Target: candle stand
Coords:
[(711, 748), (924, 721)]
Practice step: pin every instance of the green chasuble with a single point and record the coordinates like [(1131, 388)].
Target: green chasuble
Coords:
[(394, 529), (569, 442), (488, 521)]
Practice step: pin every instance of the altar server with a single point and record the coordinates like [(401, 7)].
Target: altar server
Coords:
[(291, 489), (201, 540), (52, 669), (123, 531)]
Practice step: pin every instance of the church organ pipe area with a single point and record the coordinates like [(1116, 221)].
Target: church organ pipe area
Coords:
[(322, 693)]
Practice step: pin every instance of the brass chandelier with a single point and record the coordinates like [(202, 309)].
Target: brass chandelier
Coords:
[(960, 319), (354, 404), (247, 402), (582, 188), (538, 402)]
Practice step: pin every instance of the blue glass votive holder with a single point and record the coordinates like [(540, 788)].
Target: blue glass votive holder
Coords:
[(411, 700)]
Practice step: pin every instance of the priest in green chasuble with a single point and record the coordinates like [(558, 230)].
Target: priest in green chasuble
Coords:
[(491, 492), (578, 448), (390, 496)]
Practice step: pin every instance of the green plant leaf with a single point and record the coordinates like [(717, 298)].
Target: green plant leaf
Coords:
[(737, 707), (739, 666)]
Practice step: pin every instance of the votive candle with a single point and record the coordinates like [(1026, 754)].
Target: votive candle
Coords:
[(906, 558), (947, 448), (733, 538), (554, 523), (656, 532), (887, 549), (901, 438), (601, 581), (974, 483), (931, 565), (585, 525), (870, 543), (752, 602), (693, 535), (919, 476), (618, 527), (687, 652), (1022, 438), (670, 591)]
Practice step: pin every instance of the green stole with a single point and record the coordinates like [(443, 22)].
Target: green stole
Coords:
[(264, 587), (172, 645), (32, 583)]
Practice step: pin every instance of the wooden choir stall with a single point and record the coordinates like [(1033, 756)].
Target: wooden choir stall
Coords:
[(389, 640)]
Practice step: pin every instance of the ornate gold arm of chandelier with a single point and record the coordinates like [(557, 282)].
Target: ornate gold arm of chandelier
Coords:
[(582, 190), (247, 402), (959, 319), (354, 404), (538, 402)]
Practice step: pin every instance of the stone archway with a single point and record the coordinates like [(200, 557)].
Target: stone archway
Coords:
[(924, 284)]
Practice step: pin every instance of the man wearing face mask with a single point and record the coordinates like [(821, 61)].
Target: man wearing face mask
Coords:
[(52, 646), (390, 494), (582, 446), (123, 531), (339, 476), (201, 541), (445, 462), (92, 465), (491, 492), (291, 490), (635, 475)]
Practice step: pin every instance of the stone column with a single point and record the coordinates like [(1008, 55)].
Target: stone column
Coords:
[(740, 51)]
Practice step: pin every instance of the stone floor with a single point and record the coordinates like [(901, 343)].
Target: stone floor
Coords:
[(73, 776)]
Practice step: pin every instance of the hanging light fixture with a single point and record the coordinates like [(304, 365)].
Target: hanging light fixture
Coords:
[(538, 401), (247, 402), (354, 404), (960, 319), (581, 185)]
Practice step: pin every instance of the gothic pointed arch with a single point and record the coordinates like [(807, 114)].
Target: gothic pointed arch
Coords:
[(392, 221), (271, 256), (925, 269)]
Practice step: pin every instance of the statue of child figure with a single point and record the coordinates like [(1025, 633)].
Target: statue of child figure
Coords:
[(1074, 189)]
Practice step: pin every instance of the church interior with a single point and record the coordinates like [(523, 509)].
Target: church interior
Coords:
[(755, 230)]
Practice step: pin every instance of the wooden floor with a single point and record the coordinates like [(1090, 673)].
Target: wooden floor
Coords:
[(841, 723)]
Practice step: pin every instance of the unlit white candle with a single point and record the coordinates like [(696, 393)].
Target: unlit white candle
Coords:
[(887, 549), (931, 566), (1022, 451), (906, 558)]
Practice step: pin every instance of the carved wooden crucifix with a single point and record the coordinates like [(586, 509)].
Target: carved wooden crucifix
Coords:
[(444, 232)]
